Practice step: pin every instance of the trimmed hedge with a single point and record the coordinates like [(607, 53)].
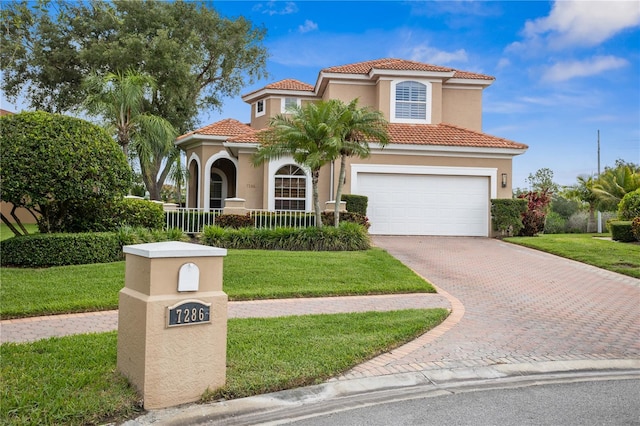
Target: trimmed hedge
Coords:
[(635, 227), (621, 231), (44, 250), (234, 221), (348, 237), (139, 213), (507, 214), (356, 203)]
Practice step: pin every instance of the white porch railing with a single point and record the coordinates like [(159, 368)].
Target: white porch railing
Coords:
[(193, 220), (282, 219)]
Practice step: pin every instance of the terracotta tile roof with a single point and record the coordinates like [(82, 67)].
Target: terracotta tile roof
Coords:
[(226, 127), (424, 134), (5, 112), (446, 135), (400, 65), (290, 84), (249, 137)]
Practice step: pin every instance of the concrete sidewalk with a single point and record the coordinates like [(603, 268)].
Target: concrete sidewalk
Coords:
[(31, 329)]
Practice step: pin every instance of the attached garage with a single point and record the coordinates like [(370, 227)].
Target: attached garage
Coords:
[(406, 200)]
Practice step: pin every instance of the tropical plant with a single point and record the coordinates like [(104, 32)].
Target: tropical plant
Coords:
[(629, 206), (583, 192), (56, 166), (309, 135), (122, 100), (534, 218), (615, 182), (357, 127)]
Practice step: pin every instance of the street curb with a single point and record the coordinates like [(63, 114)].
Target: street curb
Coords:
[(337, 395)]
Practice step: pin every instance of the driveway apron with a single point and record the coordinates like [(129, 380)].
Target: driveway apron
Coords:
[(512, 305)]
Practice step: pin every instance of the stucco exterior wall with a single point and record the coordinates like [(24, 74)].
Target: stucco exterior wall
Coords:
[(23, 214), (364, 91), (462, 107), (251, 181)]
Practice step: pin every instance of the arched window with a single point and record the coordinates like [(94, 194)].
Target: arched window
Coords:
[(411, 101), (290, 188)]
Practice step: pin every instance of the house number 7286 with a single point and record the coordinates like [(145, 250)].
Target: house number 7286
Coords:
[(186, 313)]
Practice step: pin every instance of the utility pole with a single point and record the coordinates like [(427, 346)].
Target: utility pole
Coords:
[(599, 214)]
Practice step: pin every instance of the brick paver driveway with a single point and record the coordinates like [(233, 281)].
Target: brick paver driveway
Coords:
[(517, 305)]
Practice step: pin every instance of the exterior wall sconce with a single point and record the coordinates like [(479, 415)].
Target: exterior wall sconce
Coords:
[(504, 180)]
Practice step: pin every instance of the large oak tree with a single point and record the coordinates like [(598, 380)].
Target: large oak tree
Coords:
[(195, 56)]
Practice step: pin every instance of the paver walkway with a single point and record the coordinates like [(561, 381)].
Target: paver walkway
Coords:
[(31, 329), (512, 305)]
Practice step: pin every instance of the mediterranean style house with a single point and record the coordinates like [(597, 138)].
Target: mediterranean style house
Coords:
[(435, 177)]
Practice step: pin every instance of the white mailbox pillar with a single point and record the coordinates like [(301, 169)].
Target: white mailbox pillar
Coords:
[(172, 322)]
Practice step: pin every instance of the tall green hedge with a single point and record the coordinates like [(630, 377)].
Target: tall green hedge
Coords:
[(356, 203), (507, 214)]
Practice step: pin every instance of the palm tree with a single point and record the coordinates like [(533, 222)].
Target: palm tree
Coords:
[(120, 99), (583, 191), (615, 183), (357, 127), (308, 134)]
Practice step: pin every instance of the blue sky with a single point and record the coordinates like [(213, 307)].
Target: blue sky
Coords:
[(564, 70)]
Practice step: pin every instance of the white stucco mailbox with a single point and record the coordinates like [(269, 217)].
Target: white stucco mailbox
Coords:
[(172, 322)]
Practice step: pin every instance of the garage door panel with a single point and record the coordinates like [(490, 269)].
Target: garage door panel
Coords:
[(408, 204)]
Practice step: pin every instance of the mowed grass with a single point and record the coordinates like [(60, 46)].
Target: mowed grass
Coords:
[(73, 380), (5, 232), (623, 258), (248, 274)]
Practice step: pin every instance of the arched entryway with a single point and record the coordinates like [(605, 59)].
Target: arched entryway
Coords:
[(221, 182)]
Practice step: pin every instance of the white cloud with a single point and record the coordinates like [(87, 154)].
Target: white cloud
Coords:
[(431, 55), (276, 8), (563, 71), (308, 25), (581, 23)]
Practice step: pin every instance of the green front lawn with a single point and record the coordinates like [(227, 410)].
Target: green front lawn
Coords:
[(5, 232), (623, 258), (248, 274), (73, 380)]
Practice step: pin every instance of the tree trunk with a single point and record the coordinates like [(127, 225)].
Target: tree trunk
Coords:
[(592, 226), (315, 176), (341, 176), (10, 225)]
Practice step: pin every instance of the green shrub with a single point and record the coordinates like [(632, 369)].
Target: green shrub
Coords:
[(61, 167), (621, 231), (629, 206), (635, 228), (507, 214), (42, 250), (327, 218), (555, 223), (139, 213), (356, 203), (347, 237), (234, 221)]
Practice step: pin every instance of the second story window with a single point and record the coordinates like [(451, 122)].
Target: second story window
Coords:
[(289, 103), (411, 101), (260, 108)]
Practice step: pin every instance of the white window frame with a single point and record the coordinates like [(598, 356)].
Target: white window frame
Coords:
[(264, 108), (429, 91), (283, 108), (274, 166)]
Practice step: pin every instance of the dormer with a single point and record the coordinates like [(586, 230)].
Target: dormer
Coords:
[(275, 98)]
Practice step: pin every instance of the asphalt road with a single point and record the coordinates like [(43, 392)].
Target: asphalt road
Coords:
[(601, 402)]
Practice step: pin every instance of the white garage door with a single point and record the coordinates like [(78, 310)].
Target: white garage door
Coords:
[(406, 204)]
